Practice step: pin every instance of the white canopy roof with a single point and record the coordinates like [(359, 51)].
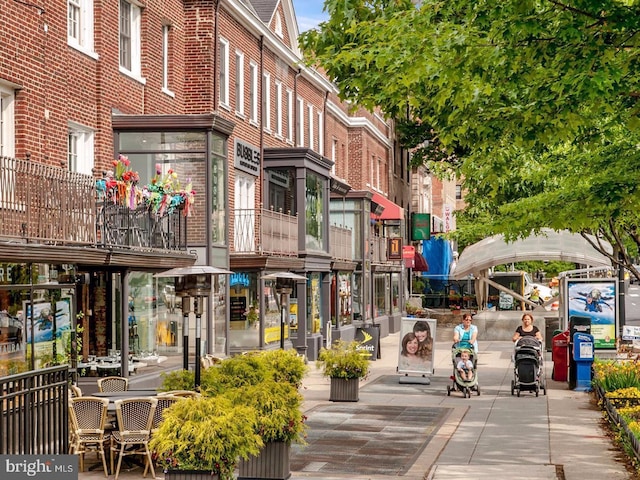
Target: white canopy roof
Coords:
[(548, 245)]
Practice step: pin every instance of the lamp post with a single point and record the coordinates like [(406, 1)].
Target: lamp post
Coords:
[(186, 310), (284, 300), (197, 308)]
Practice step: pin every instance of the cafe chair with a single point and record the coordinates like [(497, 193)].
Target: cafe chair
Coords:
[(74, 391), (135, 419), (180, 393), (164, 402), (113, 384), (87, 420)]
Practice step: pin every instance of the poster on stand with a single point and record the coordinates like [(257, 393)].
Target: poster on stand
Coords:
[(416, 345), (597, 300)]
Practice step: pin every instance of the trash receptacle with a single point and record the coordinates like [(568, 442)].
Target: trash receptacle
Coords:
[(560, 356)]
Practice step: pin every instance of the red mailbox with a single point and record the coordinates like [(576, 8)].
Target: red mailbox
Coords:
[(560, 356)]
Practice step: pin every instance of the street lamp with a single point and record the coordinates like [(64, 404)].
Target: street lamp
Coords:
[(284, 286), (193, 282)]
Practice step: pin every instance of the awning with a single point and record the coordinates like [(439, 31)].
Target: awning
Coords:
[(391, 210), (421, 264)]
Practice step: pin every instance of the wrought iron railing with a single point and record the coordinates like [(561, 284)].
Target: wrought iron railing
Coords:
[(52, 206), (265, 232), (119, 225), (46, 204), (340, 243), (35, 418)]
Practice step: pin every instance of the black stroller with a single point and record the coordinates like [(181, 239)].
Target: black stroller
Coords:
[(462, 384), (528, 372)]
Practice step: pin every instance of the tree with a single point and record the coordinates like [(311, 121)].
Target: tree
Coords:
[(535, 104)]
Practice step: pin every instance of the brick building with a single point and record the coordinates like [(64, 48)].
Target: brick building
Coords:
[(213, 95)]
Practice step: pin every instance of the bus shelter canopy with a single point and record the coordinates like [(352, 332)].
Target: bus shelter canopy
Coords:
[(548, 245)]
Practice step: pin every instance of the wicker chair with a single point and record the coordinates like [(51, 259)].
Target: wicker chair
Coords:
[(87, 418), (164, 402), (180, 393), (135, 419), (113, 384), (74, 391)]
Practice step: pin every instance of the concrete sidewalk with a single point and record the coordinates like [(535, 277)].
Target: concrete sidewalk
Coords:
[(491, 436)]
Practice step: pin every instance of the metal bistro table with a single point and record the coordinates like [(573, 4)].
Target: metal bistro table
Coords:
[(113, 396)]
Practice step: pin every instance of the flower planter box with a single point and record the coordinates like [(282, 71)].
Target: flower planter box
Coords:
[(344, 390), (271, 464), (189, 475)]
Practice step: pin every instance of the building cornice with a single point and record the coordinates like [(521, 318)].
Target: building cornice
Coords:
[(358, 122)]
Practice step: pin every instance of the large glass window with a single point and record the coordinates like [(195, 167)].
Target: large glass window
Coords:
[(315, 212), (381, 293), (396, 298), (345, 298), (183, 153), (314, 301)]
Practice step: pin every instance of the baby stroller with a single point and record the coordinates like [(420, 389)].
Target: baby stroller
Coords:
[(462, 384), (528, 373)]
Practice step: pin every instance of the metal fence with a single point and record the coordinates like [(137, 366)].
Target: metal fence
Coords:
[(35, 416)]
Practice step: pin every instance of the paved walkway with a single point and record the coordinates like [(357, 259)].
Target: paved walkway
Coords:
[(491, 436)]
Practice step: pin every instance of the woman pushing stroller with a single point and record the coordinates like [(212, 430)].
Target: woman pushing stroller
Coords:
[(528, 372), (464, 355)]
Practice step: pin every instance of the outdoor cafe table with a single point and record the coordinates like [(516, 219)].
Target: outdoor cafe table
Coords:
[(113, 396)]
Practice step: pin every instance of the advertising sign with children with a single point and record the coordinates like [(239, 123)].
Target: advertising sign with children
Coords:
[(415, 350)]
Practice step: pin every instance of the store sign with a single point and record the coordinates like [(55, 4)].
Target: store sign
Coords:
[(394, 249), (246, 158), (279, 177), (45, 467), (420, 226), (448, 220)]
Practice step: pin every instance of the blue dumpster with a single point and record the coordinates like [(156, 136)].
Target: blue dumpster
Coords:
[(583, 358)]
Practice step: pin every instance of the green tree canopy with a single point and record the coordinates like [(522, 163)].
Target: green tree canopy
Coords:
[(535, 104)]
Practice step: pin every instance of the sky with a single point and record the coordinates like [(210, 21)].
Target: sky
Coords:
[(309, 13)]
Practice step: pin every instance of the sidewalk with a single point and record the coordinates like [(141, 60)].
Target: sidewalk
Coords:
[(491, 436)]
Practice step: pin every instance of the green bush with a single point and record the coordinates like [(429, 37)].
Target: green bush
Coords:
[(206, 434), (287, 366), (343, 360), (178, 380), (279, 410)]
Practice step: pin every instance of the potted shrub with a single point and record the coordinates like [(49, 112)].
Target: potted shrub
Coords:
[(280, 422), (201, 438), (287, 366), (345, 364)]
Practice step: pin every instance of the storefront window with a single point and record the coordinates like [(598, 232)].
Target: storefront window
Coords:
[(345, 299), (244, 325), (396, 300), (315, 214), (357, 299), (314, 294), (381, 293)]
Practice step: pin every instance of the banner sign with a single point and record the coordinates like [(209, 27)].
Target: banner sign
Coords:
[(415, 349), (369, 338)]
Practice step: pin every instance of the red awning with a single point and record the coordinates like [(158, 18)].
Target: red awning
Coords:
[(421, 264), (391, 210)]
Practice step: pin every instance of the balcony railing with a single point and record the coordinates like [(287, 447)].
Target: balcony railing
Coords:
[(340, 243), (50, 205), (265, 232), (45, 203)]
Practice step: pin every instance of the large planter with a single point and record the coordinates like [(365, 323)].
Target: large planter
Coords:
[(271, 464), (344, 389), (189, 475)]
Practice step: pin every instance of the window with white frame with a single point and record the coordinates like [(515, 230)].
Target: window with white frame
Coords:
[(310, 125), (244, 216), (289, 115), (320, 133), (253, 92), (240, 83), (300, 124), (279, 108), (266, 101), (80, 149), (224, 72), (80, 24), (166, 52), (130, 43), (7, 122)]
